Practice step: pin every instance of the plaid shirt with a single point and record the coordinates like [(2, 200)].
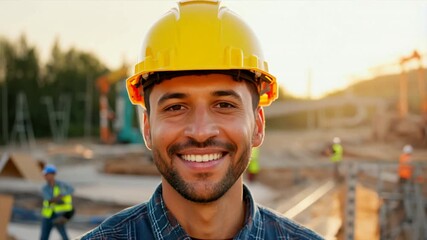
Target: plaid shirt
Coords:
[(152, 220)]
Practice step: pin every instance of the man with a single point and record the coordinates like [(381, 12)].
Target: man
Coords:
[(405, 170), (57, 204), (405, 164), (202, 82), (336, 152)]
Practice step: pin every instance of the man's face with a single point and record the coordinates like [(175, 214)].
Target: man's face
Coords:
[(49, 177), (201, 130)]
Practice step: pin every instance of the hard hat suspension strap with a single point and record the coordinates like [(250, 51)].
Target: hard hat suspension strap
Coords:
[(237, 74)]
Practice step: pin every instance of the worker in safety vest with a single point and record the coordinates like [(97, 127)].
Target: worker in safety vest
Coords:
[(253, 168), (405, 164), (57, 204), (336, 154)]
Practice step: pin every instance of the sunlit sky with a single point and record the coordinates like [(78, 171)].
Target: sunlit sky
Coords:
[(337, 42)]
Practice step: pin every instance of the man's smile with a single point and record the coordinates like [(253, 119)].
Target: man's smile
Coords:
[(201, 157)]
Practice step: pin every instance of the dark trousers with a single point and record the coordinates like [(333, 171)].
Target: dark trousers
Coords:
[(47, 225)]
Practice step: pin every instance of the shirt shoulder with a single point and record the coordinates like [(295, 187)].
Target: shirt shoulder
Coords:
[(279, 227), (62, 184), (45, 187), (65, 187), (126, 224)]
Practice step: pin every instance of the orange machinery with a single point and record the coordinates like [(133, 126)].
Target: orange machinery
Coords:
[(106, 115), (403, 94)]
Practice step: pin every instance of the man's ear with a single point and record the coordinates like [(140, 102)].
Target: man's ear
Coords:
[(259, 131), (147, 131)]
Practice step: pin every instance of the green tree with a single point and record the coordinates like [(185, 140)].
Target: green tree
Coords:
[(67, 73), (72, 73), (21, 73)]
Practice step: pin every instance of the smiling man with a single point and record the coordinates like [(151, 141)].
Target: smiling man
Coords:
[(202, 82)]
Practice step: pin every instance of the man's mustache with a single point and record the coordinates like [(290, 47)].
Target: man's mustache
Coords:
[(191, 143)]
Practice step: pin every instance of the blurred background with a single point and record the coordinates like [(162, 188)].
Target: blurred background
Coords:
[(348, 70)]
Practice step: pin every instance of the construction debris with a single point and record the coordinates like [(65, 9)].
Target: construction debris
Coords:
[(21, 165), (132, 164)]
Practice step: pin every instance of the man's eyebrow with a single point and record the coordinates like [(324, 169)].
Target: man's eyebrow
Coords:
[(231, 93), (168, 96)]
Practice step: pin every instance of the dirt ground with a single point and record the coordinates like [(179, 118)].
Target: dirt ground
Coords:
[(290, 161)]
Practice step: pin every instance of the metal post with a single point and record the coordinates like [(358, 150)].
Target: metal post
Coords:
[(88, 108), (403, 94), (310, 114), (65, 103), (58, 119), (50, 113), (419, 222), (383, 208), (5, 110), (350, 208), (22, 125)]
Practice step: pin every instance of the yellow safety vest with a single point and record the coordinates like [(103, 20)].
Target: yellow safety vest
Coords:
[(254, 164), (337, 153), (50, 208)]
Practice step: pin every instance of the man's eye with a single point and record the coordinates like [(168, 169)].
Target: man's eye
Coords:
[(174, 108), (225, 105)]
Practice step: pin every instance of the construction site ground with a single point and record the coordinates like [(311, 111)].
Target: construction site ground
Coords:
[(108, 178)]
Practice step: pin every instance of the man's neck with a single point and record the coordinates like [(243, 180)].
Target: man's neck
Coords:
[(51, 183), (221, 219)]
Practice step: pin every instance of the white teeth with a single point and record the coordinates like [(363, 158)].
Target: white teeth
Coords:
[(202, 158)]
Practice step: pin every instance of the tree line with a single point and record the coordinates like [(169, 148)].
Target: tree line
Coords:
[(30, 89), (38, 92)]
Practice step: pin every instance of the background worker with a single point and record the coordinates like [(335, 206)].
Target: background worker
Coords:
[(405, 164), (57, 204), (106, 115), (405, 170), (336, 154), (202, 81), (253, 168)]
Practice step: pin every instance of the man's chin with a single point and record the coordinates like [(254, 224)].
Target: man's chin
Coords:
[(202, 192)]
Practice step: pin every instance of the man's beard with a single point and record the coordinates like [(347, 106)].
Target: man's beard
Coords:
[(215, 190)]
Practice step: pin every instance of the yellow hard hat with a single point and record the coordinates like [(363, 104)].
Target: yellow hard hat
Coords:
[(201, 35)]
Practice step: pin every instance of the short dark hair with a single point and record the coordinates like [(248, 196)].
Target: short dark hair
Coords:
[(238, 75)]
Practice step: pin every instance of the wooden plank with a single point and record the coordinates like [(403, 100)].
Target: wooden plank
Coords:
[(6, 203), (27, 166), (21, 165)]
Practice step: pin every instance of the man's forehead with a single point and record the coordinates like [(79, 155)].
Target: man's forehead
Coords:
[(200, 80), (209, 84)]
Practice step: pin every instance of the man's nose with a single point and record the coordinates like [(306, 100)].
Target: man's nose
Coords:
[(201, 125)]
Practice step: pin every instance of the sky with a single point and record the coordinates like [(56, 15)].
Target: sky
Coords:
[(332, 43)]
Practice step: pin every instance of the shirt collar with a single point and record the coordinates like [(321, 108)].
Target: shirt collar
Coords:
[(166, 226)]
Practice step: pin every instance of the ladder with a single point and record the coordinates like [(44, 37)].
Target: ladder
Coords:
[(22, 127), (59, 119), (350, 201)]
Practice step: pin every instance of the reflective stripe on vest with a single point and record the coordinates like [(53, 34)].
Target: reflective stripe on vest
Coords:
[(65, 206), (46, 210)]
